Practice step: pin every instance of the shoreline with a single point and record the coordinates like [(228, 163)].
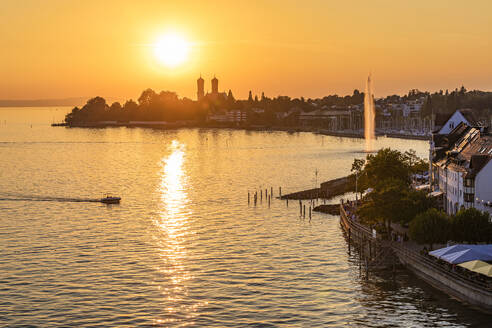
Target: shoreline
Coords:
[(179, 125)]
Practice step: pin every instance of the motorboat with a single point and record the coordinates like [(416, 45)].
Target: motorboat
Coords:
[(110, 200)]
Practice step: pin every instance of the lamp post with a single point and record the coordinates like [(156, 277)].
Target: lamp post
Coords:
[(356, 178)]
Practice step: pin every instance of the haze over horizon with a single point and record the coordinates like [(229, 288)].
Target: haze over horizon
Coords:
[(61, 49)]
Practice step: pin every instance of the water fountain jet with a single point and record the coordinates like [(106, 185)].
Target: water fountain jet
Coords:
[(369, 116)]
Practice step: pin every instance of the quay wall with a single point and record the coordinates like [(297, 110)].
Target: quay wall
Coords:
[(446, 281)]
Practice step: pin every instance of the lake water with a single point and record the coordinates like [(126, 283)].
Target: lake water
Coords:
[(184, 248)]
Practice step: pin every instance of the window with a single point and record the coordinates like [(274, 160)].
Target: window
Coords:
[(469, 198)]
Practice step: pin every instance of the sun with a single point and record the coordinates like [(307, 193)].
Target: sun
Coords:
[(171, 50)]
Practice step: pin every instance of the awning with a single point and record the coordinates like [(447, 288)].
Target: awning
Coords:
[(435, 194)]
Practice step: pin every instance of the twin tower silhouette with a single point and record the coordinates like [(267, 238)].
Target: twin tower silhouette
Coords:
[(201, 87)]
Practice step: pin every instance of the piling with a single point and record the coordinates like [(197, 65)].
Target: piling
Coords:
[(287, 202), (271, 191), (248, 197), (269, 200), (280, 191), (349, 240), (300, 207), (261, 194), (309, 213), (304, 211)]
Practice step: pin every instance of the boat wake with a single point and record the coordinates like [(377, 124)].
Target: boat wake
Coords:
[(26, 198)]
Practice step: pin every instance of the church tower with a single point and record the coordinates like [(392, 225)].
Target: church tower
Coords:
[(215, 86), (200, 83)]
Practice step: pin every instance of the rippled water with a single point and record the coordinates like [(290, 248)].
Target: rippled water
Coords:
[(184, 248)]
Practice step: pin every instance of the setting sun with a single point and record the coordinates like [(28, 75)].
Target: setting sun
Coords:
[(171, 50)]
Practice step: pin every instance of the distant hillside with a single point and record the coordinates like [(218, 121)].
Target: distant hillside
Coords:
[(76, 101)]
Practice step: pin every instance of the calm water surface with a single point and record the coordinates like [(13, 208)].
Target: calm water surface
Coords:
[(184, 248)]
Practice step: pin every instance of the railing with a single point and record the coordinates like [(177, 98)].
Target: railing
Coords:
[(362, 228)]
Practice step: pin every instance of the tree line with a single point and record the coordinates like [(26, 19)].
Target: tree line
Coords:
[(168, 106)]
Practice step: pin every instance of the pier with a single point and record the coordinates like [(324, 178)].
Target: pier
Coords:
[(326, 190)]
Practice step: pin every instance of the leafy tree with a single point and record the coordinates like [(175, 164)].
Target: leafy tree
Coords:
[(383, 204), (411, 204), (386, 164), (430, 227), (471, 225)]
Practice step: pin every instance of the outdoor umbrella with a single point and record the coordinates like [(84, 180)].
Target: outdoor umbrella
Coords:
[(485, 270), (447, 250), (466, 256), (473, 265)]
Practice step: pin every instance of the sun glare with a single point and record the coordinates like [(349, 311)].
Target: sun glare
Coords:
[(171, 50)]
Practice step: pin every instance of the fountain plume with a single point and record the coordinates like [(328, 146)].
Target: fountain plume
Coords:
[(369, 116)]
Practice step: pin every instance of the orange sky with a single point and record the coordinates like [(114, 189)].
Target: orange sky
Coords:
[(312, 48)]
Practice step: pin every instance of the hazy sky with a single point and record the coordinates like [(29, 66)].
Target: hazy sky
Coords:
[(310, 48)]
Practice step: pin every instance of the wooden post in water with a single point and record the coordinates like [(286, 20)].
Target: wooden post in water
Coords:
[(261, 194), (300, 207), (349, 240), (309, 213), (280, 191), (266, 193), (304, 211), (269, 196), (287, 202), (248, 197), (367, 269), (271, 191)]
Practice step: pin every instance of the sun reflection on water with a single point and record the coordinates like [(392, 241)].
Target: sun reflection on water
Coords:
[(172, 223)]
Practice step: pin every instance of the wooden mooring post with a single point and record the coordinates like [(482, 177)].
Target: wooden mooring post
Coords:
[(349, 241)]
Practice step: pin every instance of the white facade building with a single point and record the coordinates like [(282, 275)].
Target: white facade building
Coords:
[(483, 188)]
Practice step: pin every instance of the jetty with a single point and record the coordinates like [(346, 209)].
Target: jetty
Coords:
[(377, 251), (327, 190)]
